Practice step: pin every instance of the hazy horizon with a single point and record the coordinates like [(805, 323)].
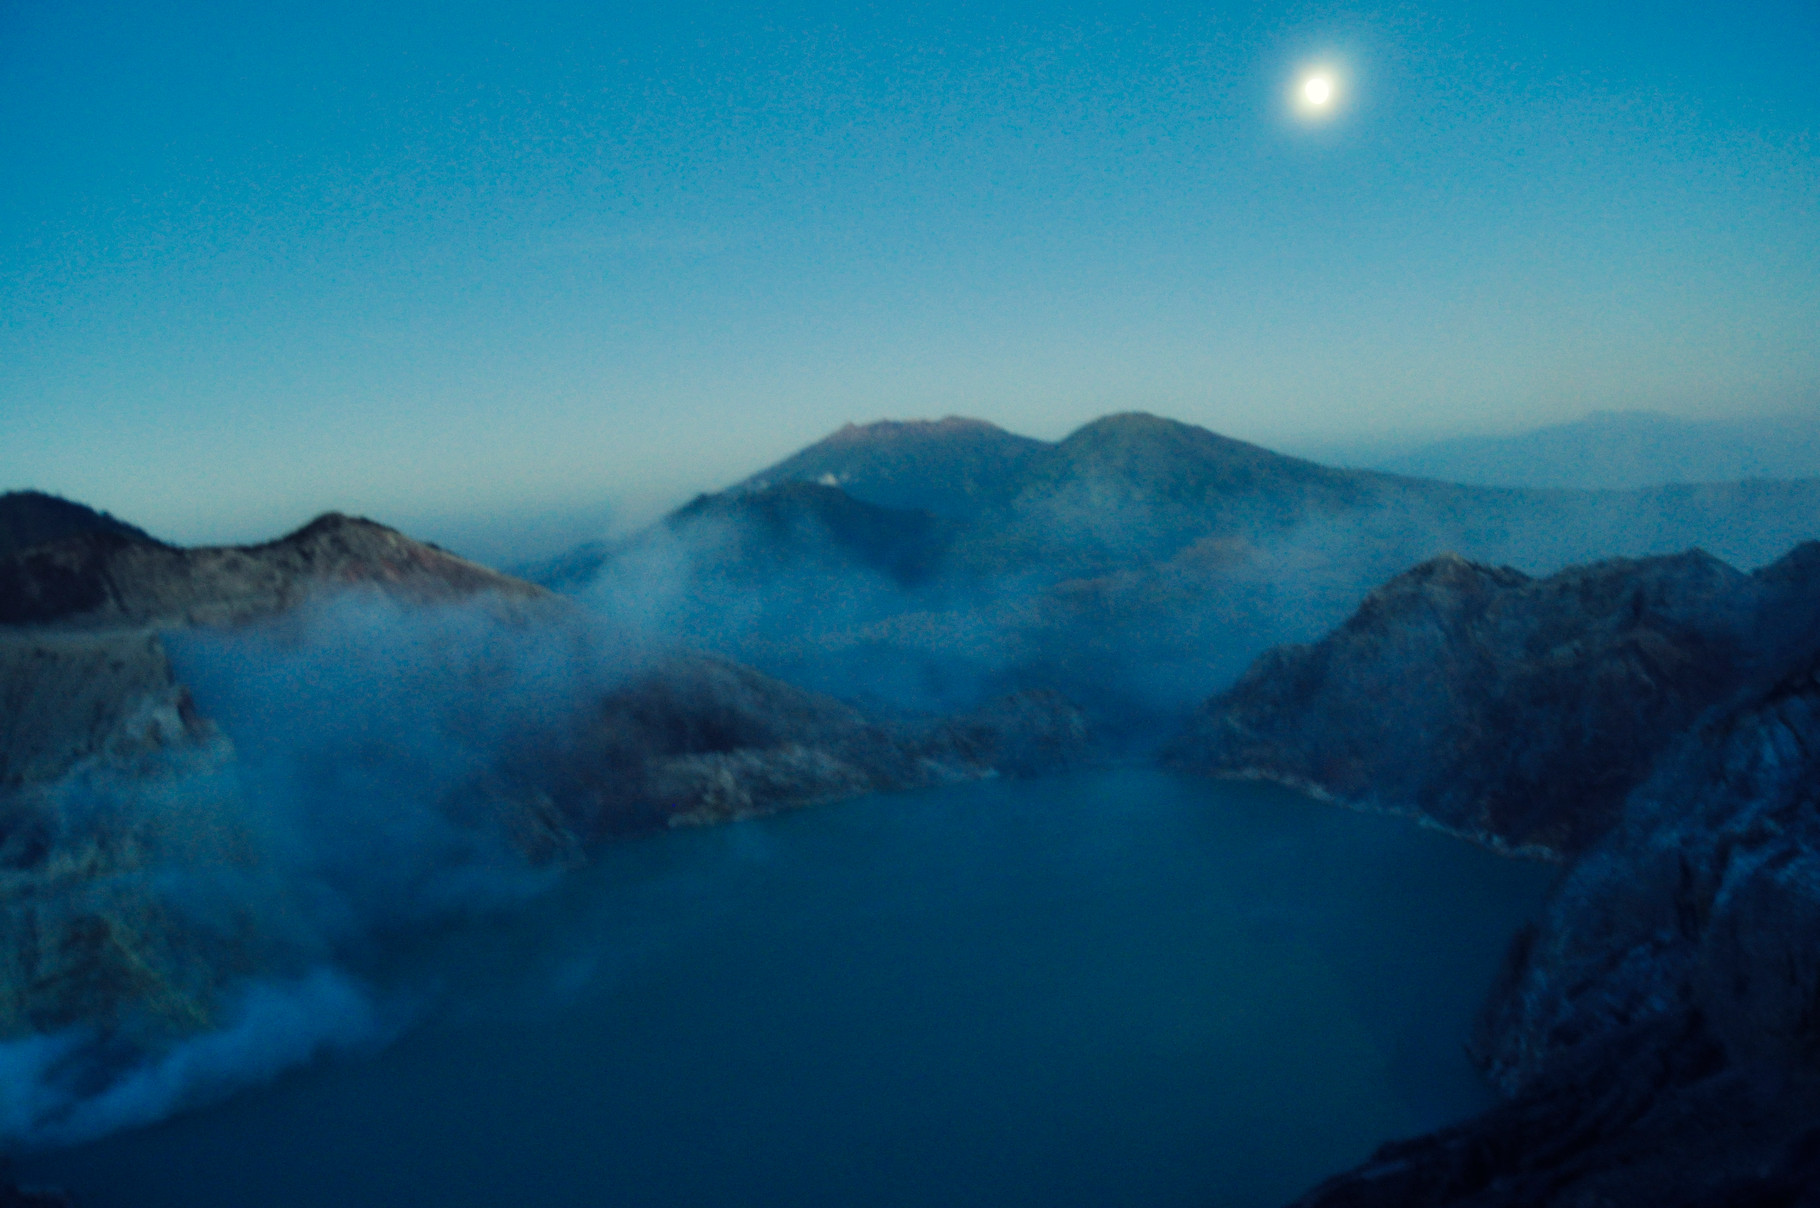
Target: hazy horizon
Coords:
[(515, 536)]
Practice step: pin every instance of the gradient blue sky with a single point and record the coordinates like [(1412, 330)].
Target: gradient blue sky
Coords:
[(257, 261)]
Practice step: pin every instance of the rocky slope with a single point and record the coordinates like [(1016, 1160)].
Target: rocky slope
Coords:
[(702, 740), (951, 467), (114, 785), (167, 714), (106, 776), (1656, 724), (1518, 711)]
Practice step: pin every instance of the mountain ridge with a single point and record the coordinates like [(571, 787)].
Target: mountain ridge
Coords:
[(1104, 560), (1623, 450), (951, 467), (32, 518), (103, 578), (1437, 696)]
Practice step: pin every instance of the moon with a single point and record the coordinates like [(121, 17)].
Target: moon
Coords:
[(1317, 89)]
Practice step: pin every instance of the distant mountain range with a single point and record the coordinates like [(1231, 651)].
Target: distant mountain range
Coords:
[(1617, 450), (925, 565)]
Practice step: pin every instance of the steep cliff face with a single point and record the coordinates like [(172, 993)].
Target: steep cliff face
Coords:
[(1518, 711), (1657, 725), (1704, 902), (1658, 1031)]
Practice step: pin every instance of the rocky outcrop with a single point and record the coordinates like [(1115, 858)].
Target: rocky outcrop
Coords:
[(1518, 711), (698, 740), (67, 698), (1703, 904), (107, 774), (1646, 1119)]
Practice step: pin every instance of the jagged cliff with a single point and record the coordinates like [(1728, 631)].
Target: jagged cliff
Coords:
[(1517, 711)]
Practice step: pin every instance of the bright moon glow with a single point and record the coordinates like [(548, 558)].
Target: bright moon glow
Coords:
[(1318, 90)]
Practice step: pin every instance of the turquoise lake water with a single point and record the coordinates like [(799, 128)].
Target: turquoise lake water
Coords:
[(1117, 988)]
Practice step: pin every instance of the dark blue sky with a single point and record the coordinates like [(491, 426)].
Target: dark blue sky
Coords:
[(261, 260)]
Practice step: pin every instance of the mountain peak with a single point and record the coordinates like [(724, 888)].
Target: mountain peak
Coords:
[(1164, 458), (952, 466), (342, 530), (888, 431), (1141, 427)]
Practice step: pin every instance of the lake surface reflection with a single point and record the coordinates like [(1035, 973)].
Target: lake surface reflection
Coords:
[(1114, 988)]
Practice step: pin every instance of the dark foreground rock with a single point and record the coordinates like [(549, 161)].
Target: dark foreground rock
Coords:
[(31, 518), (1651, 1119)]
